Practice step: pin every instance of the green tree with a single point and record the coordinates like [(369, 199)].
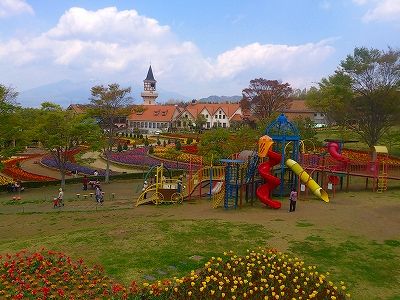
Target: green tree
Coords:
[(264, 97), (109, 103), (363, 94), (59, 131), (10, 125), (200, 121), (178, 145), (306, 128)]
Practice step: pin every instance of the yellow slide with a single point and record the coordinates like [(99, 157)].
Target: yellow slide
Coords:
[(307, 180)]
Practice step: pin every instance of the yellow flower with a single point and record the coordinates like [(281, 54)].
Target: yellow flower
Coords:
[(190, 293)]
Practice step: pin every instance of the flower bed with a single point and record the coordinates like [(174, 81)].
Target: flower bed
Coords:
[(5, 180), (262, 274), (162, 152), (191, 149), (50, 162), (12, 170), (139, 157)]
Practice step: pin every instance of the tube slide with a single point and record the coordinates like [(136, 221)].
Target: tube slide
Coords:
[(333, 149), (263, 192), (307, 180)]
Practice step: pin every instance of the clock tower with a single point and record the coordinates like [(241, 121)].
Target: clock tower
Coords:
[(149, 93)]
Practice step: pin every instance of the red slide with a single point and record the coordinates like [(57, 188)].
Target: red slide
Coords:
[(263, 192), (333, 149)]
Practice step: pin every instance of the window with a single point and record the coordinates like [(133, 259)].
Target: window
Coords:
[(224, 125), (208, 124), (223, 116), (158, 125), (207, 116)]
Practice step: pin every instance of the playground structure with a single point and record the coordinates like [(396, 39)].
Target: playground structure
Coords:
[(338, 163), (287, 167), (264, 169), (205, 181)]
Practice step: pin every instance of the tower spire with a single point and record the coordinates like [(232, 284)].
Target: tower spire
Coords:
[(149, 93)]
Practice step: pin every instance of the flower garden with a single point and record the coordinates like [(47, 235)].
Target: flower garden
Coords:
[(12, 170), (140, 157), (261, 274)]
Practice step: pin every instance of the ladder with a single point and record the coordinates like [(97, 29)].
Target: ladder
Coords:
[(382, 178)]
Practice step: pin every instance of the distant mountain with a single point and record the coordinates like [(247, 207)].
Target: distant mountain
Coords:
[(220, 99), (66, 92)]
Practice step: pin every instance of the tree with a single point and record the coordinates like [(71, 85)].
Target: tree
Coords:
[(60, 131), (363, 94), (10, 124), (264, 97), (220, 143), (108, 104), (50, 106), (200, 121)]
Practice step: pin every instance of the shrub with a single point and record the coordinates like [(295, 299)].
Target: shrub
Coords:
[(178, 145), (125, 147), (119, 148)]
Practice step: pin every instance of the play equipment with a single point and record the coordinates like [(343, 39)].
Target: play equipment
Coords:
[(233, 181), (162, 191), (334, 150), (307, 180), (283, 132), (167, 190), (264, 191)]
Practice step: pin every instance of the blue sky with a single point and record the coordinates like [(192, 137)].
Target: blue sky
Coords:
[(197, 48)]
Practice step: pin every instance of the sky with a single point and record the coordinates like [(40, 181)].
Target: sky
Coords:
[(196, 48)]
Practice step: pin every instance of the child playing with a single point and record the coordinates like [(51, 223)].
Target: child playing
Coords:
[(293, 200)]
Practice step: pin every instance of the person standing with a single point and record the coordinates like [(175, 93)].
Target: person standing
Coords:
[(85, 182), (60, 198), (99, 195), (293, 200), (179, 184), (145, 185)]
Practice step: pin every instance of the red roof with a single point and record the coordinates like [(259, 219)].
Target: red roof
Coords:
[(229, 108), (161, 113)]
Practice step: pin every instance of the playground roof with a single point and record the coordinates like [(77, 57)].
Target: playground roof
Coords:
[(380, 149)]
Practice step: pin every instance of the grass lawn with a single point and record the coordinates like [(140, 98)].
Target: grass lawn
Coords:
[(356, 237)]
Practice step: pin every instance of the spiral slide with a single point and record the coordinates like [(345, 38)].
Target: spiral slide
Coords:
[(307, 180), (263, 192), (333, 149)]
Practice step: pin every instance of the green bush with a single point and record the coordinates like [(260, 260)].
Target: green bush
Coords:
[(119, 148)]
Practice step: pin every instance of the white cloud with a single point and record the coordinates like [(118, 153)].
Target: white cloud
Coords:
[(384, 10), (14, 7), (116, 45), (271, 57)]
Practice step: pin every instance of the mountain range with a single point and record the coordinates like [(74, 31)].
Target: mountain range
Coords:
[(66, 92)]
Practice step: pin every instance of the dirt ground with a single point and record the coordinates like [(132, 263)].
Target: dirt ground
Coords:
[(362, 213)]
